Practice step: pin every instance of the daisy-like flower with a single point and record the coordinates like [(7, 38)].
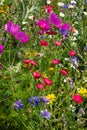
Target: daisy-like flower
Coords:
[(45, 114), (60, 4), (83, 92), (51, 98)]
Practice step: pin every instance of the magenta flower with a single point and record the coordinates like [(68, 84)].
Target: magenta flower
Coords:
[(55, 20), (43, 24), (12, 28), (22, 36), (65, 26), (1, 49)]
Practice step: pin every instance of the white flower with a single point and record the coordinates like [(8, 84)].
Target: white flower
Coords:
[(73, 2), (85, 13), (71, 6), (48, 1), (61, 14), (60, 4), (31, 17)]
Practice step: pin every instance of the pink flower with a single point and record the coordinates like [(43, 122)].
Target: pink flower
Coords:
[(65, 26), (36, 75), (57, 43), (26, 61), (32, 62), (43, 43), (22, 37), (1, 48), (55, 20), (49, 9), (77, 98), (64, 72), (47, 81), (40, 86), (12, 28), (55, 61), (72, 53), (43, 24)]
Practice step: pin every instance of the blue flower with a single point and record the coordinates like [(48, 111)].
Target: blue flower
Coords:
[(18, 104), (44, 99), (45, 114), (85, 48), (65, 6), (64, 31), (34, 101)]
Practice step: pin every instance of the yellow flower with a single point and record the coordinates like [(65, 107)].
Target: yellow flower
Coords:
[(36, 53), (5, 77), (1, 11), (83, 92), (51, 68), (44, 75), (25, 65), (51, 97)]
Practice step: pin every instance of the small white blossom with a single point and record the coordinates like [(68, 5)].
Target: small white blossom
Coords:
[(60, 4)]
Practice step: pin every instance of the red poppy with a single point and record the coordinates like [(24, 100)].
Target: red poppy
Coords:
[(36, 75), (43, 43), (47, 81), (72, 53), (49, 9), (57, 43), (64, 72), (40, 86), (55, 61), (77, 98)]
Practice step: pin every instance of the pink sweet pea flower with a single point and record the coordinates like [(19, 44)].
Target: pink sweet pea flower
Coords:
[(40, 86), (57, 43), (64, 72)]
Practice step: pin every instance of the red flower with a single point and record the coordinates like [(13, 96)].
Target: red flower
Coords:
[(51, 32), (43, 43), (47, 81), (26, 61), (64, 72), (36, 75), (40, 86), (57, 43), (77, 98), (49, 9), (32, 62), (55, 61), (72, 53)]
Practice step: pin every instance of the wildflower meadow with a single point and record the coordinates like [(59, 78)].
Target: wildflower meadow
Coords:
[(43, 64)]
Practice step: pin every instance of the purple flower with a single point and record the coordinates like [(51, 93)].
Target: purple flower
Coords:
[(85, 48), (1, 48), (22, 36), (18, 104), (55, 20), (43, 24), (74, 60), (65, 26), (45, 114), (64, 31), (65, 6), (34, 101), (12, 28), (44, 99)]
